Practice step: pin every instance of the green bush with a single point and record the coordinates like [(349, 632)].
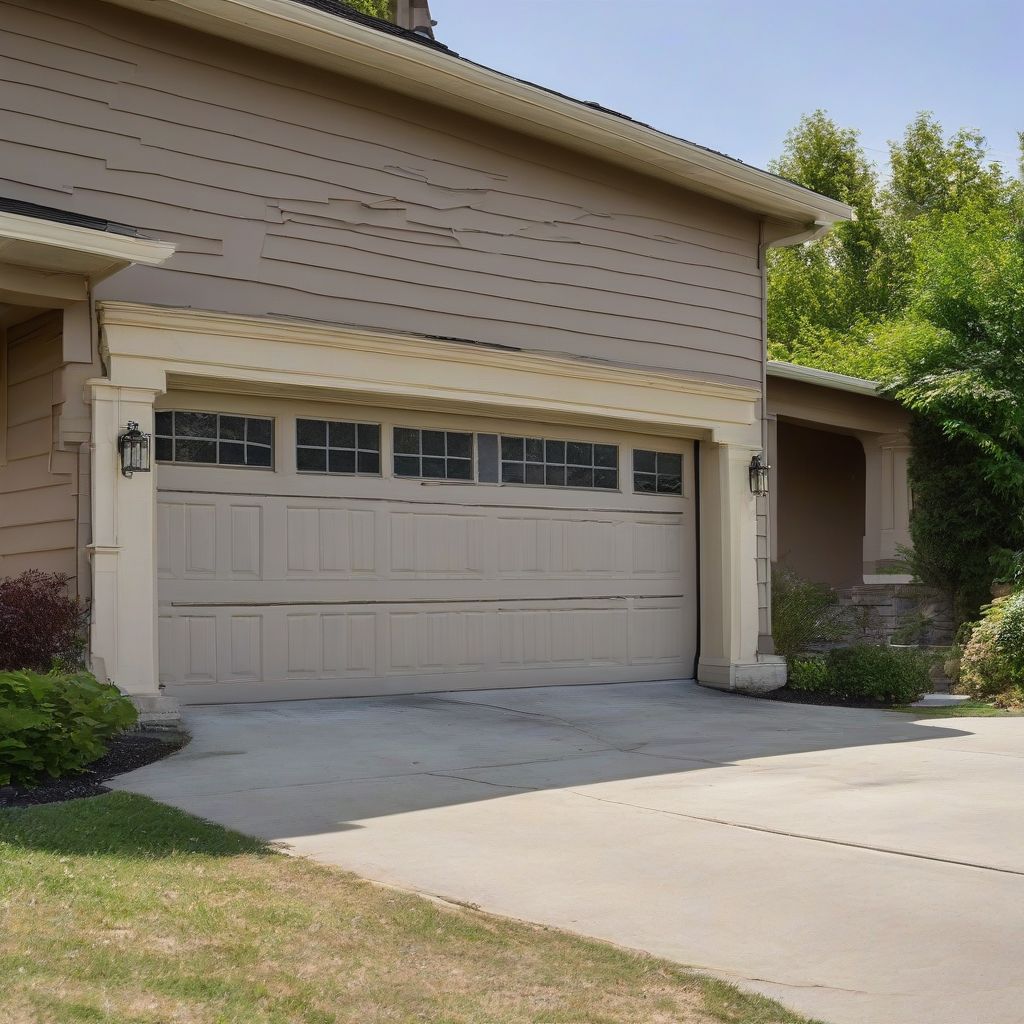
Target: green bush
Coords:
[(890, 675), (992, 663), (811, 675), (804, 614), (55, 724)]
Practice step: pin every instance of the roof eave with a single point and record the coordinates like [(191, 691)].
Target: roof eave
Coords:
[(392, 62), (824, 379)]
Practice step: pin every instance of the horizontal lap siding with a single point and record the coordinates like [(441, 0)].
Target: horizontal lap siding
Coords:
[(296, 193), (38, 507)]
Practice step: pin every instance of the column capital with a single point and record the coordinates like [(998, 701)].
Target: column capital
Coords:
[(103, 389)]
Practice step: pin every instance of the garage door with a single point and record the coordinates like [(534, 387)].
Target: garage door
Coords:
[(315, 549)]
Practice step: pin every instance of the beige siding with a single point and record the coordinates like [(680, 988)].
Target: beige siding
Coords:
[(38, 484), (295, 193)]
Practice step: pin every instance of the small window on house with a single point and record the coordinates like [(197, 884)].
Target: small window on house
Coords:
[(329, 446), (214, 439), (657, 472), (433, 454), (537, 460)]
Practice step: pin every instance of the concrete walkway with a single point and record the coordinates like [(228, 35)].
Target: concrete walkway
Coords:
[(859, 866)]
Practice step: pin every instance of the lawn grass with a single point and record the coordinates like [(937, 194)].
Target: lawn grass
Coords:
[(965, 709), (119, 909)]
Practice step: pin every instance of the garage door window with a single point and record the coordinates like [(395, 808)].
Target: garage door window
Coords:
[(331, 446), (433, 454), (215, 439), (536, 460), (657, 472)]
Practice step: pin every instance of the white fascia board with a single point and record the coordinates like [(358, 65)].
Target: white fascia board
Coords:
[(109, 250), (824, 378), (392, 62)]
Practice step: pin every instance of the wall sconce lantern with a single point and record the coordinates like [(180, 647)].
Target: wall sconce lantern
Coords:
[(758, 477), (133, 446)]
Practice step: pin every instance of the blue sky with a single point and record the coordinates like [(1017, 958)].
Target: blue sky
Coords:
[(735, 75)]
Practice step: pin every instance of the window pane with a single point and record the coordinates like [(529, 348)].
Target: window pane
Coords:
[(232, 453), (407, 441), (460, 469), (670, 485), (164, 449), (534, 473), (311, 460), (554, 476), (433, 467), (341, 462), (232, 428), (670, 464), (607, 479), (645, 482), (579, 454), (369, 462), (342, 435), (195, 451), (164, 423), (512, 473), (311, 432), (512, 448), (257, 455), (407, 465), (534, 449), (259, 431), (578, 476), (369, 438), (433, 442), (554, 451), (195, 424), (606, 455), (644, 461), (460, 445)]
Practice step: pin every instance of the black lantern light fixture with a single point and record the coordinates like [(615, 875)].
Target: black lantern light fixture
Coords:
[(133, 446), (758, 477)]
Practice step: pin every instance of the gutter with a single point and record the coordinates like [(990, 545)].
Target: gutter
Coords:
[(824, 379)]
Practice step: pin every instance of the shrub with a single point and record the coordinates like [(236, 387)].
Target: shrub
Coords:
[(992, 663), (54, 724), (811, 675), (40, 624), (804, 614), (891, 675)]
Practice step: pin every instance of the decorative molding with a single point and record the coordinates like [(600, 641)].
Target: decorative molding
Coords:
[(149, 346)]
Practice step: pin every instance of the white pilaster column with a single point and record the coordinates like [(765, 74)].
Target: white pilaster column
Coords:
[(123, 549), (728, 585)]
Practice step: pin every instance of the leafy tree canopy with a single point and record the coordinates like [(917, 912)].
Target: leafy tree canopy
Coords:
[(383, 9)]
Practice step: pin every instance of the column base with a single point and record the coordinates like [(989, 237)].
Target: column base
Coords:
[(156, 710), (761, 676)]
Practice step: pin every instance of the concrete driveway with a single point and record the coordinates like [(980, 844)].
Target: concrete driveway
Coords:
[(859, 866)]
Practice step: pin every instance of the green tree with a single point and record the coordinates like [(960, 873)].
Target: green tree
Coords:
[(831, 286), (383, 9)]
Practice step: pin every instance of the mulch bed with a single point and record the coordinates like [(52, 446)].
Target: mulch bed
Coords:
[(788, 696), (126, 752)]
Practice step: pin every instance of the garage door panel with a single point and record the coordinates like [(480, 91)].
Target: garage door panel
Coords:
[(468, 644), (217, 538)]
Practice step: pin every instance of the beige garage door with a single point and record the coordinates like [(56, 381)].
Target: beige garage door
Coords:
[(311, 550)]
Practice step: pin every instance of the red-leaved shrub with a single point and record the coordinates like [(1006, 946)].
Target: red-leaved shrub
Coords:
[(40, 624)]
